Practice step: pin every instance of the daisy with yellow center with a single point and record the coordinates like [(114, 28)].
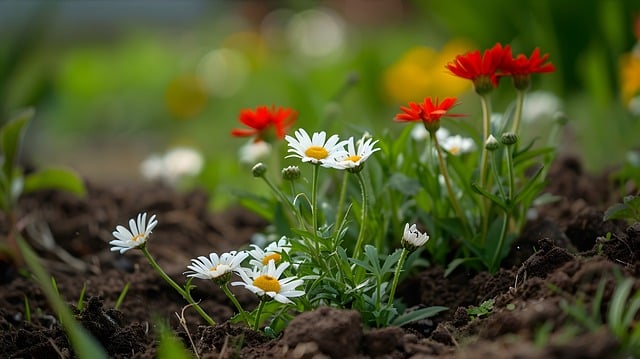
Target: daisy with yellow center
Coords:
[(216, 267), (316, 149), (355, 158), (135, 236), (272, 252), (265, 281)]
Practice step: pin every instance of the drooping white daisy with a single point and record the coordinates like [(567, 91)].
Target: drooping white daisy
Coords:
[(355, 158), (272, 252), (217, 268), (265, 281), (134, 236), (458, 145), (316, 149), (412, 238)]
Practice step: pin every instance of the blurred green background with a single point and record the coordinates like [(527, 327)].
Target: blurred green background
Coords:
[(114, 82)]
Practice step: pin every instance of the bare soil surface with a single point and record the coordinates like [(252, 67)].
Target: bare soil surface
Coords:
[(561, 257)]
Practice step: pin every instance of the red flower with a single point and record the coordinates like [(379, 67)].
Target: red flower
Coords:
[(429, 112), (521, 65), (264, 121), (481, 69)]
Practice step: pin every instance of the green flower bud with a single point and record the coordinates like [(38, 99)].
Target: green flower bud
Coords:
[(491, 144), (509, 138), (291, 173), (259, 169)]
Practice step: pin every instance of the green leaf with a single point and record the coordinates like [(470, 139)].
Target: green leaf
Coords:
[(415, 315), (10, 138), (404, 184), (54, 178), (628, 210), (83, 343), (170, 346), (493, 198)]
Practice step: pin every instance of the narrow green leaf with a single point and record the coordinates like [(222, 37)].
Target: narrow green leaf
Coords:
[(415, 315), (83, 343), (493, 198), (11, 136), (54, 178)]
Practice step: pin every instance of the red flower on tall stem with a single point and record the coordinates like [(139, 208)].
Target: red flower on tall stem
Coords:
[(265, 122), (521, 65), (429, 112), (481, 69)]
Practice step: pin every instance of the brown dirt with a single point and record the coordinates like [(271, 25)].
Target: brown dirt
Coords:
[(560, 258)]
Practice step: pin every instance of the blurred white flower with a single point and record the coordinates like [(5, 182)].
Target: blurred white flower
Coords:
[(265, 281), (458, 145), (420, 133), (134, 236), (171, 167), (316, 32), (539, 105), (254, 151)]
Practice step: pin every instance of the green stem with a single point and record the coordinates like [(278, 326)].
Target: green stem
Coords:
[(279, 194), (495, 261), (447, 181), (314, 206), (396, 275), (363, 221), (496, 174), (233, 298), (486, 118), (340, 208), (256, 324), (518, 114), (175, 286)]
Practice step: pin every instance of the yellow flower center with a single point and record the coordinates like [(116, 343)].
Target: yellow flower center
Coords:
[(354, 158), (137, 237), (267, 283), (275, 256), (454, 150), (214, 268), (316, 152)]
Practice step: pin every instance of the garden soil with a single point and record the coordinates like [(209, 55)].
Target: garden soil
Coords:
[(561, 258)]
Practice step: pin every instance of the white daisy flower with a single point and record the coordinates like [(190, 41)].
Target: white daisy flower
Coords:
[(458, 145), (134, 237), (216, 267), (272, 252), (316, 149), (412, 238), (355, 158), (265, 281)]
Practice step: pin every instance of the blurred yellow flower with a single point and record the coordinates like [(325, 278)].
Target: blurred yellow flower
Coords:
[(421, 72), (630, 76)]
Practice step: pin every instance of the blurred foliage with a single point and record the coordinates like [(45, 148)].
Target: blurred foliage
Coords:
[(143, 86)]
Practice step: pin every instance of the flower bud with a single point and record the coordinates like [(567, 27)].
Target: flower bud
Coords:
[(259, 169), (291, 173), (509, 138), (412, 238), (491, 144)]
